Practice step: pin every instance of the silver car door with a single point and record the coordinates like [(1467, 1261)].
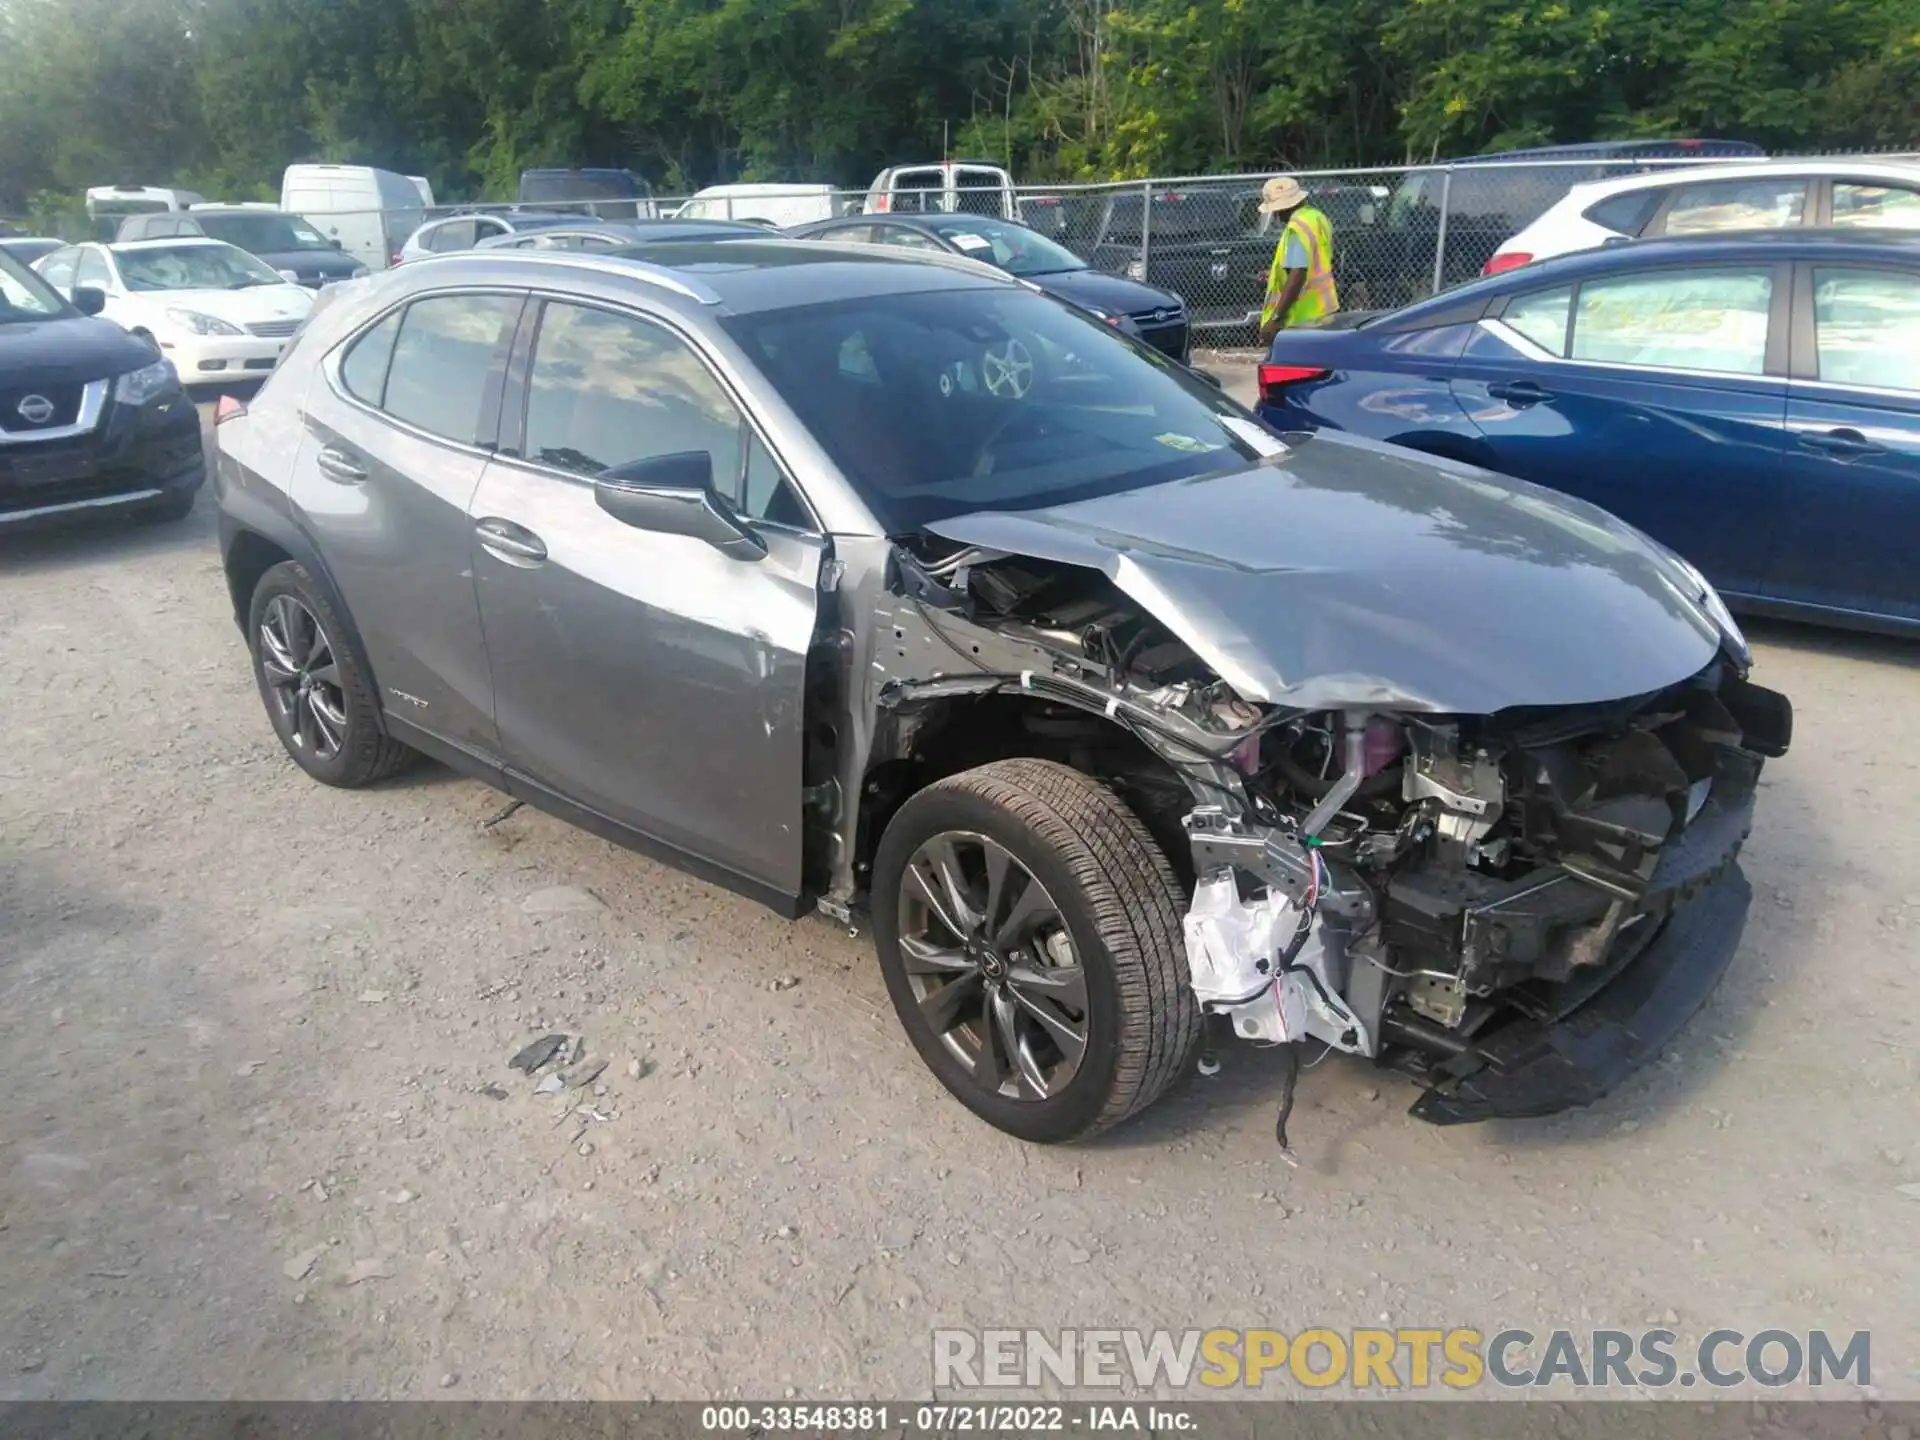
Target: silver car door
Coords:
[(647, 678), (396, 437)]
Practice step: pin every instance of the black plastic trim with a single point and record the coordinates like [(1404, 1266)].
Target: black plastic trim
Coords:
[(1539, 1069)]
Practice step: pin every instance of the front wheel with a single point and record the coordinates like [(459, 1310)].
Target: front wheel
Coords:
[(1029, 933)]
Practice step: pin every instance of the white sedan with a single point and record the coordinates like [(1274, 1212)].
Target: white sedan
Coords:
[(215, 311)]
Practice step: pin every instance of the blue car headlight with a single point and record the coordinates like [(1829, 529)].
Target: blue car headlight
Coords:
[(137, 387)]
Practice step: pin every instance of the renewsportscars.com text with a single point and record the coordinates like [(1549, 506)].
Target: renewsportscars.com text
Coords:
[(1398, 1359)]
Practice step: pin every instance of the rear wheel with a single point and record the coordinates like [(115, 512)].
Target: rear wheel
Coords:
[(315, 684), (1029, 932)]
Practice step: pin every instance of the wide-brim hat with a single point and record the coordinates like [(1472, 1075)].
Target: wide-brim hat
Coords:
[(1283, 192)]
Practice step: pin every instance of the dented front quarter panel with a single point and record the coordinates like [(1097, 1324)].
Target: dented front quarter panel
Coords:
[(1349, 574)]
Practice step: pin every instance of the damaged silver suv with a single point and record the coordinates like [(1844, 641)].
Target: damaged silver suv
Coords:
[(889, 587)]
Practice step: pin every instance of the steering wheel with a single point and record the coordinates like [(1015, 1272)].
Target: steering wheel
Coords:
[(1007, 370)]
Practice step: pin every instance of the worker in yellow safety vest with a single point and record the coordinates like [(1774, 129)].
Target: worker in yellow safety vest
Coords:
[(1300, 281)]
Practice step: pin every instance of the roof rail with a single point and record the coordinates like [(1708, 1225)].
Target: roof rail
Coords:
[(965, 264), (657, 275)]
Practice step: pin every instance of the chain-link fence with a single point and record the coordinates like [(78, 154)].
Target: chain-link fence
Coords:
[(1400, 233)]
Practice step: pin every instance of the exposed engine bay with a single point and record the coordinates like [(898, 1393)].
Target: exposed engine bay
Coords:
[(1450, 895)]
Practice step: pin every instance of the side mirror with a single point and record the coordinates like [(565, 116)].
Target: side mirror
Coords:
[(89, 299), (674, 495)]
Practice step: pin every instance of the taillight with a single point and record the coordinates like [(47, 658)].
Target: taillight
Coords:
[(1506, 260), (1276, 378), (228, 409), (396, 257), (882, 203)]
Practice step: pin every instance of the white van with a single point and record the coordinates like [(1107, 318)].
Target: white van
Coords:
[(963, 187), (108, 205), (425, 187), (771, 203), (369, 212)]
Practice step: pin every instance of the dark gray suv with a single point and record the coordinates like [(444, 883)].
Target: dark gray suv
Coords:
[(893, 588)]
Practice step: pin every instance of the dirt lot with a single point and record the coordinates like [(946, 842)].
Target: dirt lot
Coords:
[(246, 1150)]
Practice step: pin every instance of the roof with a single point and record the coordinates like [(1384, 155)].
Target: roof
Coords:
[(1867, 167), (1588, 149), (763, 188), (1848, 242), (742, 275), (167, 242), (632, 232)]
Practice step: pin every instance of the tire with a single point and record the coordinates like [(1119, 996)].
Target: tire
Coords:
[(1119, 904), (164, 512), (341, 739)]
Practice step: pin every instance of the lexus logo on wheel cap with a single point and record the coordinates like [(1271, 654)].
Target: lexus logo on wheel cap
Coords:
[(35, 409)]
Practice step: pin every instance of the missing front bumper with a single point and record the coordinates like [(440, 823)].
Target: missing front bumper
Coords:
[(1532, 1068)]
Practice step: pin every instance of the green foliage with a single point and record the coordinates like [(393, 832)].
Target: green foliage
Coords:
[(220, 95)]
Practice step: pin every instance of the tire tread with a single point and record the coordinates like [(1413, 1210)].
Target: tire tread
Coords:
[(371, 753), (1137, 902)]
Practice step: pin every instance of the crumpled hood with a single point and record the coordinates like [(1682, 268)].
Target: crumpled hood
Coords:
[(1344, 572)]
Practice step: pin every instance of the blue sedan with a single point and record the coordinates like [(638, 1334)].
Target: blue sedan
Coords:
[(1752, 400)]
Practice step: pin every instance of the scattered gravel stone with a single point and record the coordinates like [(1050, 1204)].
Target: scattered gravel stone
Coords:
[(563, 900)]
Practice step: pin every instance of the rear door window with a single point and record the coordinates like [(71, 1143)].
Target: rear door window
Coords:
[(1760, 203), (1542, 318), (977, 191), (1711, 320), (363, 369), (1628, 213), (902, 238), (917, 191), (444, 360), (454, 235), (1866, 326), (1871, 205)]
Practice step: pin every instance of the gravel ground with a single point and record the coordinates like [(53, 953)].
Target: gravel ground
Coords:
[(247, 1151)]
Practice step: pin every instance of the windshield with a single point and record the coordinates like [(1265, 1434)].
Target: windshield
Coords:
[(192, 267), (1186, 215), (127, 207), (941, 403), (1014, 248), (24, 295), (264, 234), (538, 185)]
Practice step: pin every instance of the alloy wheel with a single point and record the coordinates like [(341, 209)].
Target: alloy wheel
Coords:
[(992, 967), (303, 677)]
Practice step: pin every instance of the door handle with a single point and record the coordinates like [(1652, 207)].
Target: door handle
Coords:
[(513, 543), (1518, 392), (337, 465), (1843, 444)]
